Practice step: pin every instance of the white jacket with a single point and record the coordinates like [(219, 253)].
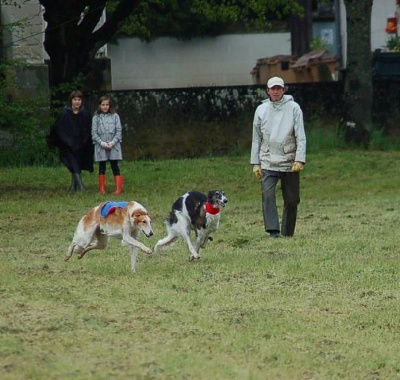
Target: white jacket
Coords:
[(279, 138)]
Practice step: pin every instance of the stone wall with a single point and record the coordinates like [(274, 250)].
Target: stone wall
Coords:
[(177, 123), (23, 42)]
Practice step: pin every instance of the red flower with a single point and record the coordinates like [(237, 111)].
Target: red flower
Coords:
[(391, 26)]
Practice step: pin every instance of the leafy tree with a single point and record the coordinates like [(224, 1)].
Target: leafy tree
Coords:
[(72, 40)]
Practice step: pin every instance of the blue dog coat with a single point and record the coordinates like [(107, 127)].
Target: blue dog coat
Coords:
[(110, 206)]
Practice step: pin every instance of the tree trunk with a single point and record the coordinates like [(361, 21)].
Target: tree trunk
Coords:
[(67, 42), (358, 73), (71, 40), (301, 29)]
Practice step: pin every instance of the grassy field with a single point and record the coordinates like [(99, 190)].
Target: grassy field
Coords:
[(321, 305)]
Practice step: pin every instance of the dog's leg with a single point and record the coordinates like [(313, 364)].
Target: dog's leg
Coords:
[(165, 242), (134, 258), (83, 239), (184, 228), (134, 252), (100, 243), (194, 255), (69, 252), (128, 240), (171, 238), (209, 238), (204, 234), (72, 249), (201, 240)]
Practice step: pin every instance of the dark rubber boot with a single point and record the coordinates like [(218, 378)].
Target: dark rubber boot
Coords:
[(79, 182)]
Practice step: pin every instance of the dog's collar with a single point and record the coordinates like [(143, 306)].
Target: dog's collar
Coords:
[(211, 210)]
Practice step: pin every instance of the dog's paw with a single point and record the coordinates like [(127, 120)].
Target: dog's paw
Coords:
[(192, 257), (148, 251)]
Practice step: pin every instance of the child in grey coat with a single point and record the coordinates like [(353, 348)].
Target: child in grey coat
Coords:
[(107, 138)]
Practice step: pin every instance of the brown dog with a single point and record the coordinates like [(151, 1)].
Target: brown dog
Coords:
[(121, 220)]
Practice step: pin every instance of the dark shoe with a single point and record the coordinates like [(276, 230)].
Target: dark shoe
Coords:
[(275, 235), (74, 185), (79, 182)]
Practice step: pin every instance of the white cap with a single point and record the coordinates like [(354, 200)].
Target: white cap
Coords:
[(275, 81)]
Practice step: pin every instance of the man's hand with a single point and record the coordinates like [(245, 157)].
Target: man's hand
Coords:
[(297, 167), (257, 171)]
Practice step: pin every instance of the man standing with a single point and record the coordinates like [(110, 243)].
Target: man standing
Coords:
[(278, 152)]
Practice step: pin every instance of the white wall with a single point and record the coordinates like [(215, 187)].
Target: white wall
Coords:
[(381, 11), (169, 63), (26, 42), (220, 61)]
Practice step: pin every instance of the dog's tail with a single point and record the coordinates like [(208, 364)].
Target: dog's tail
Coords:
[(74, 248), (70, 251)]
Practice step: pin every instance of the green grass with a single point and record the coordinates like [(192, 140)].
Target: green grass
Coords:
[(321, 305)]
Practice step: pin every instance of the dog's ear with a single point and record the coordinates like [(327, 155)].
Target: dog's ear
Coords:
[(215, 193), (138, 213)]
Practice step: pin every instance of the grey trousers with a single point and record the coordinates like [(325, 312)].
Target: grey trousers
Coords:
[(290, 184)]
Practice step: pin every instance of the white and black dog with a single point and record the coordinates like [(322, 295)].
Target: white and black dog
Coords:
[(194, 211)]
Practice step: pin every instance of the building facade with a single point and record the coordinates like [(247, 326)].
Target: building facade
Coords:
[(226, 60)]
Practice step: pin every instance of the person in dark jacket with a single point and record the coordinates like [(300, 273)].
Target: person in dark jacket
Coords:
[(71, 134)]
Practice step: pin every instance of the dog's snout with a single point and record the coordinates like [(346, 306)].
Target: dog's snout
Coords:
[(226, 200), (147, 232)]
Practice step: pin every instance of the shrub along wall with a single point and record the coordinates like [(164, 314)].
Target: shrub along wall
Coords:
[(194, 122)]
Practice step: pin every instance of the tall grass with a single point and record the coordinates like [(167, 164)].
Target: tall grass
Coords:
[(29, 147), (325, 135), (321, 305)]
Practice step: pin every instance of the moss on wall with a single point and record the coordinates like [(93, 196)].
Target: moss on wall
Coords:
[(195, 122)]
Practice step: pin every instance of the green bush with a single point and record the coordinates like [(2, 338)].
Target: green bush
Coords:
[(26, 121)]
